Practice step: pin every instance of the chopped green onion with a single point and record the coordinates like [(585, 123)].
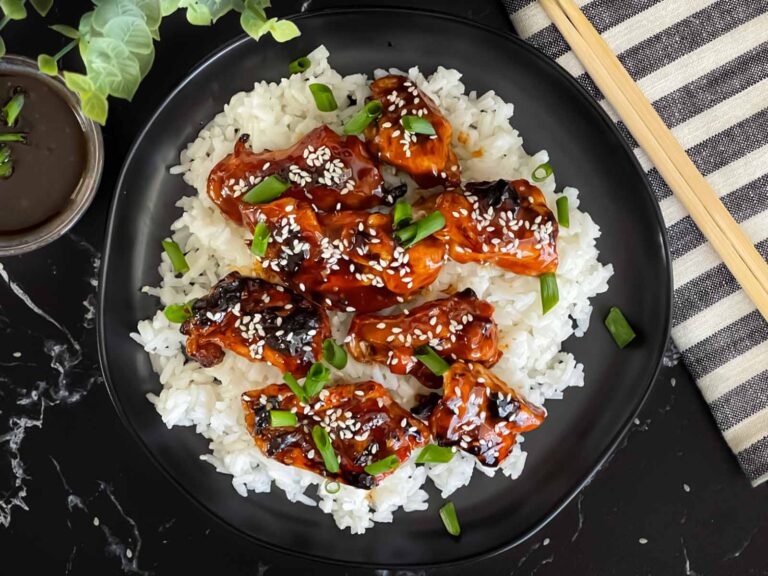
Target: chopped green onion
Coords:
[(450, 520), (384, 465), (563, 217), (13, 108), (267, 190), (176, 256), (542, 172), (323, 96), (431, 360), (334, 354), (417, 125), (363, 117), (317, 377), (434, 454), (619, 327), (402, 214), (6, 169), (260, 239), (549, 293), (324, 446), (14, 137), (299, 65), (295, 387), (282, 418), (413, 233), (178, 313), (332, 487), (6, 162)]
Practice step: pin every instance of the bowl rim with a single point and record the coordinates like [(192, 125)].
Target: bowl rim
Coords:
[(13, 244)]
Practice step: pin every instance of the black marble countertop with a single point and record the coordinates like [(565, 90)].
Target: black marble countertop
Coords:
[(78, 495)]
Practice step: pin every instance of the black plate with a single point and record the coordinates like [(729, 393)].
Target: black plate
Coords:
[(552, 112)]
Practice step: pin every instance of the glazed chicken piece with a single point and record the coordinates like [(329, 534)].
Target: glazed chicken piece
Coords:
[(259, 321), (480, 414), (429, 159), (347, 261), (460, 327), (330, 171), (507, 224), (363, 422)]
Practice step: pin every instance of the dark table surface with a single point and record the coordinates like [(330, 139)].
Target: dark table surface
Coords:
[(78, 495)]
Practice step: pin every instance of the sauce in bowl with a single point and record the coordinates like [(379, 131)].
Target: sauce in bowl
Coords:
[(48, 168)]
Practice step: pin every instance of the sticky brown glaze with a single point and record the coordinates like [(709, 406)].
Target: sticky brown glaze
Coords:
[(259, 321), (507, 224), (363, 421), (480, 414), (330, 171), (430, 160), (347, 261), (460, 327)]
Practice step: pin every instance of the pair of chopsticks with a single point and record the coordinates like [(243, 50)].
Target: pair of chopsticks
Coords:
[(689, 186)]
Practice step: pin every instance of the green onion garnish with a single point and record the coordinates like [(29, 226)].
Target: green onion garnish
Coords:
[(431, 360), (295, 387), (14, 137), (13, 108), (267, 190), (363, 117), (176, 256), (384, 465), (324, 446), (549, 294), (434, 454), (299, 65), (6, 162), (317, 377), (563, 217), (332, 487), (323, 96), (282, 418), (402, 214), (334, 354), (260, 239), (178, 313), (417, 125), (450, 520), (413, 233), (619, 327), (541, 172)]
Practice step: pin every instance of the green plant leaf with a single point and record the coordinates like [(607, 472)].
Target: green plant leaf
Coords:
[(152, 12), (67, 31), (284, 30), (112, 68), (254, 25), (42, 6), (258, 6), (78, 83), (145, 62), (95, 106), (2, 47), (199, 15), (168, 7), (86, 26), (47, 65), (111, 9), (131, 32), (14, 9)]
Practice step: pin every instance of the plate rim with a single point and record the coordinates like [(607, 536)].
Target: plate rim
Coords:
[(209, 60)]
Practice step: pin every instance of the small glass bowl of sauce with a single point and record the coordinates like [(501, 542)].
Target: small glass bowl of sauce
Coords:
[(56, 171)]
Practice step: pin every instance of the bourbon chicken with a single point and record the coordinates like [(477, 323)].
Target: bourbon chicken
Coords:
[(347, 261), (259, 321), (480, 414), (329, 171), (362, 420), (460, 327), (429, 159), (505, 223)]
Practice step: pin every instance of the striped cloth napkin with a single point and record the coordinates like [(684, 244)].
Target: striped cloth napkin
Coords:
[(704, 66)]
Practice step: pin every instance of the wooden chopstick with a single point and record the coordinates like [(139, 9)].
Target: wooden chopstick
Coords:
[(689, 186)]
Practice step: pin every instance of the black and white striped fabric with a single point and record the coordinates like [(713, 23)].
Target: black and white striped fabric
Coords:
[(704, 66)]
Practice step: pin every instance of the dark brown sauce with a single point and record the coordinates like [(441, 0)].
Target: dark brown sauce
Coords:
[(48, 168)]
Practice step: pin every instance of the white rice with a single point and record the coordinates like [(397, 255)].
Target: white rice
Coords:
[(276, 115)]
